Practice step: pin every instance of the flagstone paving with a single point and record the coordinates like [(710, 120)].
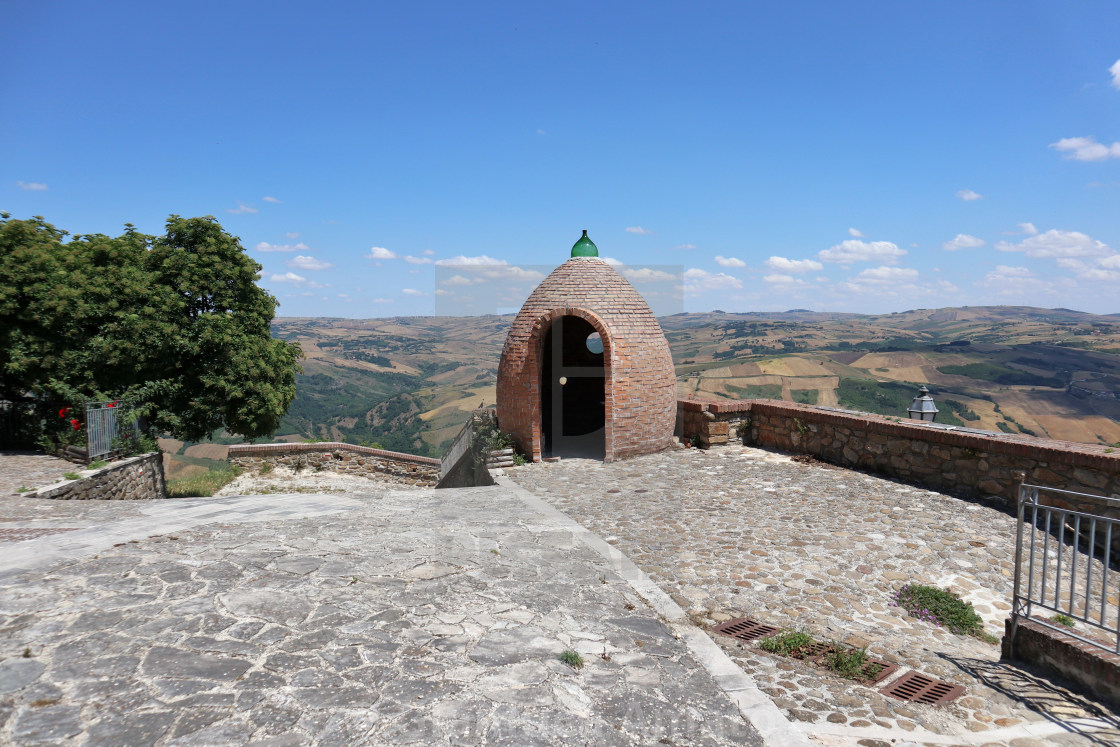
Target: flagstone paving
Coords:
[(389, 617), (738, 531)]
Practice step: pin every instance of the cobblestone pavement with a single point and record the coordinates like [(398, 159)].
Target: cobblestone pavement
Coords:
[(25, 469), (393, 617), (738, 531)]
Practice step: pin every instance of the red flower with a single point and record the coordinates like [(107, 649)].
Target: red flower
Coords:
[(64, 412), (76, 424), (112, 404)]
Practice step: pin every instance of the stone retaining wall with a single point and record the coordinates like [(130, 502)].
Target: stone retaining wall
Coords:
[(138, 478), (962, 461), (1089, 666), (361, 461)]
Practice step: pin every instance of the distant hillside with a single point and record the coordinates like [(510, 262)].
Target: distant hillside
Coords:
[(407, 383)]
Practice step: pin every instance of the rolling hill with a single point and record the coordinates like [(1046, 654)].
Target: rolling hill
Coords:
[(407, 383)]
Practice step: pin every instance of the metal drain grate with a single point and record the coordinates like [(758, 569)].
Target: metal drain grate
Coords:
[(746, 629), (921, 688)]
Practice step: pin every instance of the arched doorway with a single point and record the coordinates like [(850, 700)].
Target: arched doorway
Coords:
[(573, 387)]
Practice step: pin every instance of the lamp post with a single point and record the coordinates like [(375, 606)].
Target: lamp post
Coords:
[(922, 408)]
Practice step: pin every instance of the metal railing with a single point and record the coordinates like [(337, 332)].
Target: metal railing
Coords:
[(1063, 562), (102, 428)]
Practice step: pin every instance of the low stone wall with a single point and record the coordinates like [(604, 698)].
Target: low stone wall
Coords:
[(1089, 666), (138, 478), (963, 461), (361, 461)]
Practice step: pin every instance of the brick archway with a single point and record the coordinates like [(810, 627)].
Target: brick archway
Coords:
[(573, 418)]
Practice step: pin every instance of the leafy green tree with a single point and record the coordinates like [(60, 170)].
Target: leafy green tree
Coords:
[(174, 326)]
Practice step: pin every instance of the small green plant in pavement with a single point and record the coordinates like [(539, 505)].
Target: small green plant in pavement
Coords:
[(787, 643), (850, 662), (572, 659), (71, 475), (942, 608)]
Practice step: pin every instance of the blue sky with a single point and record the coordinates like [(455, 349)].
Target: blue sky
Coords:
[(853, 156)]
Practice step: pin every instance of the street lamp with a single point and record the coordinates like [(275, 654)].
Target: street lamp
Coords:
[(922, 408)]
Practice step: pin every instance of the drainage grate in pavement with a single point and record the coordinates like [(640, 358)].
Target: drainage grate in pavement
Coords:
[(921, 688), (745, 629), (22, 534)]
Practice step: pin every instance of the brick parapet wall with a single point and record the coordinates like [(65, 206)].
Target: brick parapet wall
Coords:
[(343, 458), (138, 478), (965, 462), (1089, 666)]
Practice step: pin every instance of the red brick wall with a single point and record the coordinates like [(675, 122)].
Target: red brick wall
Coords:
[(641, 383)]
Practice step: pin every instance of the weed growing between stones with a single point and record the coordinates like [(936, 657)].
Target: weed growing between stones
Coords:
[(851, 663), (788, 643), (98, 464), (572, 659), (71, 475), (942, 608), (1061, 619)]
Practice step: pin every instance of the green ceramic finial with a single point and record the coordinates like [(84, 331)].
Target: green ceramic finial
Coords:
[(585, 247)]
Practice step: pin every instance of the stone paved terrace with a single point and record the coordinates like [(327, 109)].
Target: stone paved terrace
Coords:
[(323, 609), (737, 531), (347, 615)]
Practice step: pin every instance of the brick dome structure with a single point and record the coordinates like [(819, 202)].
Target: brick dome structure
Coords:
[(586, 369)]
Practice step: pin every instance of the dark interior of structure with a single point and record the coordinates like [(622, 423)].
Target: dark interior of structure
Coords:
[(572, 390)]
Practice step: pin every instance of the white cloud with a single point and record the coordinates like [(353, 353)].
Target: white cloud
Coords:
[(855, 233), (443, 292), (639, 230), (479, 260), (456, 280), (241, 208), (302, 262), (288, 277), (380, 252), (968, 195), (779, 279), (429, 252), (963, 241), (1112, 261), (1021, 229), (1115, 70), (879, 275), (1086, 149), (382, 300), (685, 247), (418, 260), (730, 262), (271, 199), (1095, 273), (1056, 243), (32, 186), (264, 246), (698, 281), (612, 261), (1006, 271), (411, 292), (648, 275), (781, 264), (854, 250), (292, 234)]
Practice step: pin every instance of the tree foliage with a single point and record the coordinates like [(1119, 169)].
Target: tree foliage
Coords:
[(174, 326)]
